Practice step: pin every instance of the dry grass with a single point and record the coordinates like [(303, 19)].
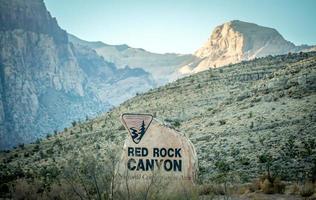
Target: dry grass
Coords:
[(307, 189), (293, 189)]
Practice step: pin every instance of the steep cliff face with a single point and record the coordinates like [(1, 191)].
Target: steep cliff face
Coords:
[(235, 41), (47, 82), (30, 16)]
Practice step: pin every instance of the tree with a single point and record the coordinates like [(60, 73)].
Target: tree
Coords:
[(224, 175), (267, 160)]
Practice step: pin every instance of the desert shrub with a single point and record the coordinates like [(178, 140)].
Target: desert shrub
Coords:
[(250, 114), (251, 125), (42, 155), (26, 154), (313, 172), (4, 190), (24, 190), (7, 160), (211, 189), (223, 177), (307, 189), (309, 146), (173, 122), (222, 122), (242, 189), (255, 185), (176, 123), (222, 166), (205, 189), (64, 190), (290, 148), (294, 189), (95, 175), (21, 146), (267, 187), (6, 151), (278, 186), (121, 128), (270, 185), (50, 151), (58, 143), (38, 141), (266, 160), (244, 161)]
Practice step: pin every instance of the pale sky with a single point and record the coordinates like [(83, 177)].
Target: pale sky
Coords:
[(179, 26)]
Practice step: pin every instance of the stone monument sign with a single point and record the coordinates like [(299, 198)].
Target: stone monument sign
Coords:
[(154, 150)]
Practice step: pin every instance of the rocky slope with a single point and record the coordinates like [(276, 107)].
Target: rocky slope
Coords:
[(235, 41), (240, 117), (47, 82), (163, 67)]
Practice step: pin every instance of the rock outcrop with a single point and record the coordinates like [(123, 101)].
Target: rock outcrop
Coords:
[(236, 41)]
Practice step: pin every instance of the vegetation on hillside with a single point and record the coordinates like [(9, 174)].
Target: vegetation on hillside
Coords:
[(252, 124)]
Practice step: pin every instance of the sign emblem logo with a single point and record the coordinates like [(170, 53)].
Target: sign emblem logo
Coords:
[(137, 125)]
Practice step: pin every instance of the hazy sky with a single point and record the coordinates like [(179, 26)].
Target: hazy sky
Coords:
[(180, 26)]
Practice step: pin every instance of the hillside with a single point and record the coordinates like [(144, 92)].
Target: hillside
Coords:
[(242, 116), (236, 41)]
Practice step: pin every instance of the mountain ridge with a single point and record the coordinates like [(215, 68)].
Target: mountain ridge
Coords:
[(163, 67)]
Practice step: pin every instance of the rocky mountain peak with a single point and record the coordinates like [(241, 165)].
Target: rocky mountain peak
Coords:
[(235, 41), (242, 38)]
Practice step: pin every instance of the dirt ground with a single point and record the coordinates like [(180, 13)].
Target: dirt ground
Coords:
[(258, 196)]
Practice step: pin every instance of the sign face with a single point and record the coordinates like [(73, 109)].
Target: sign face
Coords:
[(137, 125), (152, 149)]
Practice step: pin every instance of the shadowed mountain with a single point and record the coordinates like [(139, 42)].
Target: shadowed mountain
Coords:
[(47, 82)]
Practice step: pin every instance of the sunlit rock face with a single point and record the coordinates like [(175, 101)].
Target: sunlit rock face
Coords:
[(236, 41)]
